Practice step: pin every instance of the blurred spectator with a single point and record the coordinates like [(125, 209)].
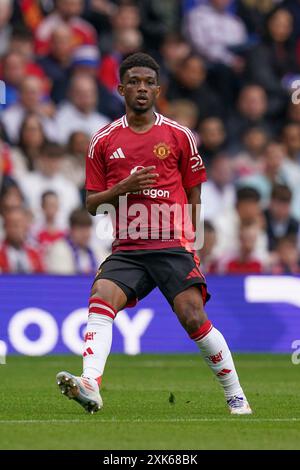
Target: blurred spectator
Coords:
[(209, 262), (48, 232), (189, 82), (274, 59), (48, 176), (31, 140), (157, 20), (99, 13), (125, 42), (247, 211), (251, 111), (249, 159), (79, 113), (253, 13), (293, 6), (31, 100), (74, 254), (219, 36), (66, 11), (13, 71), (10, 198), (126, 16), (13, 68), (22, 42), (271, 172), (123, 16), (291, 141), (86, 61), (184, 112), (16, 255), (57, 63), (288, 259), (276, 169), (5, 28), (73, 166), (212, 30), (279, 222), (173, 50), (212, 137), (246, 261), (218, 193)]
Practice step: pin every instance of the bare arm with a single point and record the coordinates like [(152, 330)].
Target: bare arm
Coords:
[(138, 181), (194, 199)]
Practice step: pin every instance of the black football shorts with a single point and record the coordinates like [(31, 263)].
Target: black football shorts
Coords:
[(138, 272)]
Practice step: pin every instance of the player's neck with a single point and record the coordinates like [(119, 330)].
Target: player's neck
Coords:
[(140, 122)]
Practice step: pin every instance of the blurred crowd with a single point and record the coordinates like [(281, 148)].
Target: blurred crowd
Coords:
[(230, 71)]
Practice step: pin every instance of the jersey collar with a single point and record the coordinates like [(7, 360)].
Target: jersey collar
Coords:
[(157, 122)]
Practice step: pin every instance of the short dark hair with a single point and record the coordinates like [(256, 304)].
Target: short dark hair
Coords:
[(247, 194), (139, 59), (80, 218), (46, 194), (281, 192)]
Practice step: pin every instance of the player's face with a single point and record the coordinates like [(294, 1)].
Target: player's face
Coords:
[(140, 89)]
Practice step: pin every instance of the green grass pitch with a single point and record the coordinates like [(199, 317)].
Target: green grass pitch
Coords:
[(138, 412)]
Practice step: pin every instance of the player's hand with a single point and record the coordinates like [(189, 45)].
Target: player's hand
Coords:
[(141, 179)]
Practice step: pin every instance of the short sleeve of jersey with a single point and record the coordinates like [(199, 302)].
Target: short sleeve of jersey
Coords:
[(95, 170), (191, 165)]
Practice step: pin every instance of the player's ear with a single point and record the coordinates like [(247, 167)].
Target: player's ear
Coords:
[(158, 90), (121, 89)]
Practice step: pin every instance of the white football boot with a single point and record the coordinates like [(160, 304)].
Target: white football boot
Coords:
[(239, 405), (81, 389)]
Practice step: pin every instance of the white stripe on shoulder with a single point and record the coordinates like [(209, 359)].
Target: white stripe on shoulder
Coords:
[(124, 121), (158, 119), (184, 129), (99, 135), (188, 133), (104, 129), (103, 135)]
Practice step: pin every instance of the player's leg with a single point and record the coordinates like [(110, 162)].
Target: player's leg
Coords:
[(188, 306), (176, 272), (121, 280), (105, 301), (107, 298)]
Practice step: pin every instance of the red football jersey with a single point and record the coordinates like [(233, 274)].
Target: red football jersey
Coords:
[(116, 151)]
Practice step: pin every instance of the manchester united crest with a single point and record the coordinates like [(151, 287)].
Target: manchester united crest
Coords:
[(161, 150)]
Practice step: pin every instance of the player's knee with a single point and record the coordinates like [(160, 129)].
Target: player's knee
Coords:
[(193, 321), (192, 316), (109, 292), (96, 291), (99, 291)]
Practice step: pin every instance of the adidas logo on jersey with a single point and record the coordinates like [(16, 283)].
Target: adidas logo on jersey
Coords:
[(117, 154)]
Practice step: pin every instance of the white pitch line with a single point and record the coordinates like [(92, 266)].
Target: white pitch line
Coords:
[(152, 421)]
